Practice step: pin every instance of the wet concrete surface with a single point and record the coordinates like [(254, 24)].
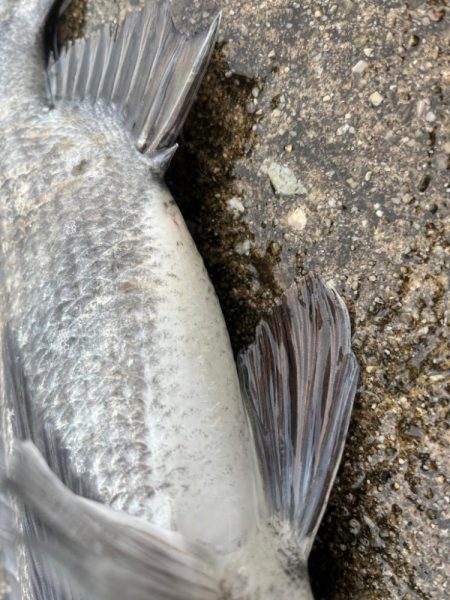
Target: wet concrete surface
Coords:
[(319, 142)]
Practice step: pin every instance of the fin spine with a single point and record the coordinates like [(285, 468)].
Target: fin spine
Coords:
[(145, 68)]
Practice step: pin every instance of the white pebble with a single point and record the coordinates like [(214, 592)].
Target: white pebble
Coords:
[(360, 67), (235, 205), (376, 98), (297, 219), (243, 247)]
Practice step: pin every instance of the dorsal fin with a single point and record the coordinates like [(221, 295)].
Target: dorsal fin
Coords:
[(146, 68)]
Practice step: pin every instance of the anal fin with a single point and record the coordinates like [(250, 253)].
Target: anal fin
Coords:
[(29, 575), (298, 381), (106, 555)]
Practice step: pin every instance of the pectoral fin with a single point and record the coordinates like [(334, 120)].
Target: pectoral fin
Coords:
[(299, 380)]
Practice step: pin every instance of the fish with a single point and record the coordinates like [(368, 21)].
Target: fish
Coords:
[(138, 459)]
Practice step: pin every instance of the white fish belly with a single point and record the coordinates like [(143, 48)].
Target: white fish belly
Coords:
[(197, 428), (124, 348)]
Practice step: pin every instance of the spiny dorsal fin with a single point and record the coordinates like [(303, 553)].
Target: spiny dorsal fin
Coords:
[(299, 380), (146, 68)]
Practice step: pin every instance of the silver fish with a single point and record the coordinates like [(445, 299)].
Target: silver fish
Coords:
[(147, 469)]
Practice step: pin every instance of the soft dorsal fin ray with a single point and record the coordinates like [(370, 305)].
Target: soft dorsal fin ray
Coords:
[(147, 69), (299, 380)]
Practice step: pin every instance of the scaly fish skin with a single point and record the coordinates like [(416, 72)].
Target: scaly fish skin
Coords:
[(124, 347), (149, 479)]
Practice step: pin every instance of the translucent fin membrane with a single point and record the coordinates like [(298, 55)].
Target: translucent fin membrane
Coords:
[(145, 68), (106, 555), (299, 380)]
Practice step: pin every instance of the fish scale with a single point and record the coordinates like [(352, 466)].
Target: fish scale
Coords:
[(112, 387)]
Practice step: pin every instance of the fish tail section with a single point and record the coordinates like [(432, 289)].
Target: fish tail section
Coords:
[(298, 381), (104, 554), (147, 69)]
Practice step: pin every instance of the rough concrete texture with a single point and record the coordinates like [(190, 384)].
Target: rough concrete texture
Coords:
[(318, 142)]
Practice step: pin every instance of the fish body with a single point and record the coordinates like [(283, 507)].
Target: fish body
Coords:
[(98, 276), (114, 337), (115, 350)]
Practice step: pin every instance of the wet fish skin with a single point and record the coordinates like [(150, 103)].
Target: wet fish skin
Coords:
[(114, 313), (117, 362)]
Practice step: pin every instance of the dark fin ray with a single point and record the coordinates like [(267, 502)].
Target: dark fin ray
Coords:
[(299, 380), (145, 68), (108, 555)]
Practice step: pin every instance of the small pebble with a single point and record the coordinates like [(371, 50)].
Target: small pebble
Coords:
[(413, 41), (297, 219), (360, 67), (243, 247), (376, 99), (235, 205), (421, 106), (283, 179), (344, 129)]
